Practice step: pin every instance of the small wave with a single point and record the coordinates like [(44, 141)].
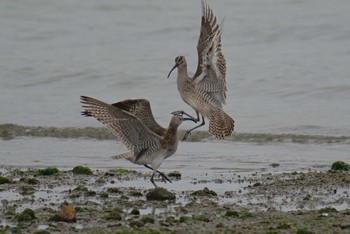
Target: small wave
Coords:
[(11, 131)]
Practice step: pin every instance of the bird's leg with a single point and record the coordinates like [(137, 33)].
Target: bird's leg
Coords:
[(188, 132), (153, 180), (164, 177)]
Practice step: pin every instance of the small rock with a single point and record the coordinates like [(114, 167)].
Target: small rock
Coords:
[(42, 232), (184, 218), (114, 190), (220, 225), (304, 231), (4, 180), (340, 166), (160, 194), (231, 213), (100, 180), (170, 219), (32, 181), (26, 190), (274, 164), (135, 224), (114, 215), (283, 226), (26, 216), (135, 193), (345, 226), (328, 210), (204, 192), (135, 212), (81, 170), (55, 218), (218, 181), (200, 217), (67, 213), (47, 171), (307, 197), (147, 219), (175, 174)]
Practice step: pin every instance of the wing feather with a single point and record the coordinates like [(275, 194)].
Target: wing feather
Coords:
[(141, 108), (128, 128), (211, 68)]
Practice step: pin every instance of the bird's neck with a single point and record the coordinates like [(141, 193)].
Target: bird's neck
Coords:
[(182, 79), (182, 72), (170, 136)]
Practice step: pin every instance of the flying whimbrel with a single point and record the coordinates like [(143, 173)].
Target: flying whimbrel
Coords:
[(205, 92), (146, 147)]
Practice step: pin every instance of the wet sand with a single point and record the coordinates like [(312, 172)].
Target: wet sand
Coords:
[(116, 201)]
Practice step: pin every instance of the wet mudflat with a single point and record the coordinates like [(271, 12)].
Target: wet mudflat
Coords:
[(121, 201)]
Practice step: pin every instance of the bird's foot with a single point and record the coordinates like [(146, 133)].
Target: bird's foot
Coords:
[(164, 177)]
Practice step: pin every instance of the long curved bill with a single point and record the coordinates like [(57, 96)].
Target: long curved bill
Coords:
[(172, 70)]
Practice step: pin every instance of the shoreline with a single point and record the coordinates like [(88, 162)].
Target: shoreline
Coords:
[(115, 201)]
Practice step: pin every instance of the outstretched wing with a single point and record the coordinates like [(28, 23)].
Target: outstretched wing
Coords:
[(211, 69), (135, 135), (141, 108)]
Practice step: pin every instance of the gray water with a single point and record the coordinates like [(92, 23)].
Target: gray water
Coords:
[(288, 78)]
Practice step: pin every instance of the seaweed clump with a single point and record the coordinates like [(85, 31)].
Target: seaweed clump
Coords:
[(340, 166), (81, 170)]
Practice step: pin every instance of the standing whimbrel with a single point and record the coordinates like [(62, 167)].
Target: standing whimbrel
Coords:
[(205, 92), (146, 147)]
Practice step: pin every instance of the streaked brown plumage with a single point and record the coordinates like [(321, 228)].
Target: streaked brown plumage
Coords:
[(205, 92), (146, 147), (141, 108)]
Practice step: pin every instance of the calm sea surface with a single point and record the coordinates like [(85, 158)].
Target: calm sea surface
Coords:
[(288, 68)]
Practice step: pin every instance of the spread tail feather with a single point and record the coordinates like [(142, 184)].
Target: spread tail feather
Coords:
[(221, 125), (127, 156)]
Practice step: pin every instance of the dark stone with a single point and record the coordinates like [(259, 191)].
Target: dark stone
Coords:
[(160, 194), (135, 193), (231, 213), (81, 170), (114, 190), (328, 210), (340, 166), (4, 180), (147, 219), (26, 216), (204, 192), (135, 224), (114, 215), (135, 212), (274, 164), (47, 171), (175, 174)]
